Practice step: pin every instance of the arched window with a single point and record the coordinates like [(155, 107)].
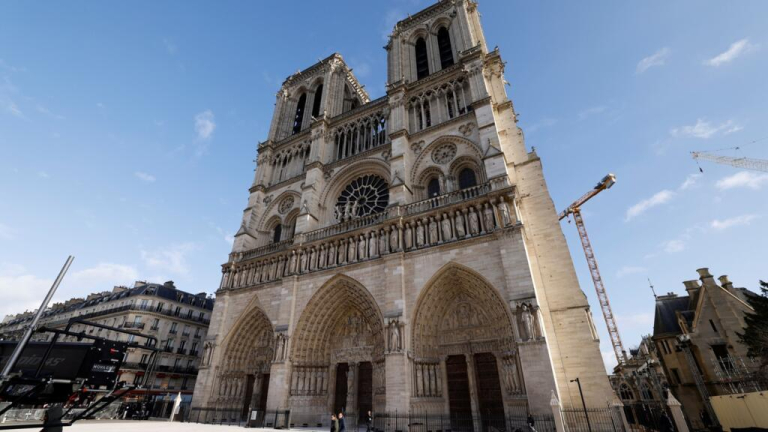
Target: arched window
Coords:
[(625, 392), (467, 178), (433, 188), (318, 99), (276, 233), (422, 62), (646, 392), (444, 45), (299, 113)]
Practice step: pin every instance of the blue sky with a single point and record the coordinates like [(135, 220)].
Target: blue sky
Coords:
[(128, 131)]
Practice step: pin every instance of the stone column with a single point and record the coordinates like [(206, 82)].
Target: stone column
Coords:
[(352, 388), (444, 377), (473, 390), (557, 413), (677, 413), (618, 413)]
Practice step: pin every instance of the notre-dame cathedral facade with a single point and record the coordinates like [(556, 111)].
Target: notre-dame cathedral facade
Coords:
[(401, 254)]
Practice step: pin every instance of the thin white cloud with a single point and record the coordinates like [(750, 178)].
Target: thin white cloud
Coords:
[(145, 177), (205, 124), (171, 259), (170, 46), (704, 129), (629, 270), (14, 110), (43, 174), (732, 222), (21, 291), (6, 232), (743, 179), (592, 111), (656, 200), (105, 275), (673, 246), (10, 68), (657, 59), (736, 49), (541, 124), (690, 181)]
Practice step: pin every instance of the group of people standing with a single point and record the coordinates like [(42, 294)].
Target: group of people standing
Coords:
[(339, 424)]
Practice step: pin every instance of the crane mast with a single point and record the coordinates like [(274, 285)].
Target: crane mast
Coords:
[(746, 163), (602, 296)]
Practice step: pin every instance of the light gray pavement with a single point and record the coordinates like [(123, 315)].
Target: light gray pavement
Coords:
[(162, 426)]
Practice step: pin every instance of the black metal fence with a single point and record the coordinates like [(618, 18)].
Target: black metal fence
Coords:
[(415, 422), (593, 420), (651, 416), (268, 419)]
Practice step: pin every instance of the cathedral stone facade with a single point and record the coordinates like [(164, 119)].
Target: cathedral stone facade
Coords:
[(401, 254)]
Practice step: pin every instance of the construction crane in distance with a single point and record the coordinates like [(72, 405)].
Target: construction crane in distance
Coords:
[(742, 162), (602, 296)]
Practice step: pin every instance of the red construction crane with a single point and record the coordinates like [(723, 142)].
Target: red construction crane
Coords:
[(575, 210)]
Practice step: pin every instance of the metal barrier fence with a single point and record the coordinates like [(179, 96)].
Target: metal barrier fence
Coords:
[(414, 422), (268, 419), (593, 420), (651, 416)]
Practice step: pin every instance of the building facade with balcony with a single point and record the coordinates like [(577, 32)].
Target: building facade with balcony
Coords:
[(697, 343), (178, 321), (401, 254)]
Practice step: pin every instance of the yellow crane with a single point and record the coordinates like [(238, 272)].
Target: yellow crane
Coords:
[(742, 162), (602, 296)]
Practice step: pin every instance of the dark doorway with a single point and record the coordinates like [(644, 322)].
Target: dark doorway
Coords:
[(340, 401), (264, 392), (489, 398), (458, 393), (364, 389), (249, 381)]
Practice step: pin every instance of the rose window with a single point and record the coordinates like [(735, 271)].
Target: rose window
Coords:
[(365, 195), (444, 153)]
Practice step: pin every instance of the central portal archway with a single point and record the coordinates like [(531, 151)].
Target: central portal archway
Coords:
[(337, 345), (243, 383), (465, 354)]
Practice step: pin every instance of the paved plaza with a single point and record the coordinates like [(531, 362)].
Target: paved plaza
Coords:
[(156, 426)]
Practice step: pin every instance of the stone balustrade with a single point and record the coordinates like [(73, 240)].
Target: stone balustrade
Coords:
[(452, 217)]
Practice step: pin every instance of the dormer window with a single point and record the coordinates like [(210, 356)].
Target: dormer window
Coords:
[(422, 61)]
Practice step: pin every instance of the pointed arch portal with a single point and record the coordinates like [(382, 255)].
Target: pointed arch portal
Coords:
[(337, 346), (463, 330)]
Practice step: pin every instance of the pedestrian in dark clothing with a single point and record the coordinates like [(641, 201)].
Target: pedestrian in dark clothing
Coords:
[(334, 423), (342, 423), (368, 421), (531, 422)]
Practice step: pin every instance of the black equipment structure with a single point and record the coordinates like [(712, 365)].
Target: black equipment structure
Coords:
[(51, 372)]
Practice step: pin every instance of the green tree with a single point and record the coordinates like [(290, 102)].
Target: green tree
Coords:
[(755, 335)]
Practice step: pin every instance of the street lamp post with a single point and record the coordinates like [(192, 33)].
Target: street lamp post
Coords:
[(583, 404)]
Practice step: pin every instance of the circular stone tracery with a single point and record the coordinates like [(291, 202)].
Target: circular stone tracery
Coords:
[(364, 196), (444, 153), (285, 205)]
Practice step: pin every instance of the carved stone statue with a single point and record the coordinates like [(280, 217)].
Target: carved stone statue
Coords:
[(488, 218), (312, 259), (394, 336), (527, 318), (393, 243), (303, 261), (373, 245), (353, 215), (474, 223), (322, 257), (342, 252), (383, 242), (446, 225), (292, 268), (347, 211), (505, 215), (361, 248), (332, 254), (433, 231), (419, 234), (458, 223), (351, 248)]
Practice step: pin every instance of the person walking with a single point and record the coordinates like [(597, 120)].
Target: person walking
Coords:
[(368, 421), (334, 423), (342, 423), (531, 422)]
